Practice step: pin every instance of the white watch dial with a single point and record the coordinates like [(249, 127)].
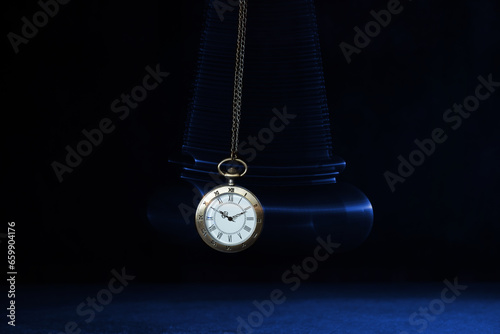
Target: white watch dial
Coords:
[(230, 219)]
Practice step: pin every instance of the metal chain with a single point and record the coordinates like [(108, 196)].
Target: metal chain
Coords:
[(238, 77)]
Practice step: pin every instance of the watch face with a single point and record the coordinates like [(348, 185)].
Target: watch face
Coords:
[(229, 218)]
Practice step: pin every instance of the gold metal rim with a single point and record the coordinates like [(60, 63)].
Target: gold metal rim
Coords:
[(232, 175), (201, 224)]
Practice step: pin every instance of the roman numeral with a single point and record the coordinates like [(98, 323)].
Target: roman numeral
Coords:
[(220, 201), (239, 235), (247, 228), (230, 198), (212, 228), (247, 208), (229, 237), (250, 218), (219, 235)]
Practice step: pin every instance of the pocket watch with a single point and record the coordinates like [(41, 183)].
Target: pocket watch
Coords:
[(229, 218)]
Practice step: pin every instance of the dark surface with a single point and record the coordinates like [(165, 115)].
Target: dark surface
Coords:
[(322, 309)]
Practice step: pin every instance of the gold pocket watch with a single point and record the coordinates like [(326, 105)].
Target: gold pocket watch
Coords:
[(229, 218)]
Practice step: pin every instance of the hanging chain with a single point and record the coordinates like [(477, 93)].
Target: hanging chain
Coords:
[(238, 77)]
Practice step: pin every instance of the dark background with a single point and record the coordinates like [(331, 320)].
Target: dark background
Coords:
[(443, 221)]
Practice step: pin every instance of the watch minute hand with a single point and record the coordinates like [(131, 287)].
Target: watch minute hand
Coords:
[(239, 214)]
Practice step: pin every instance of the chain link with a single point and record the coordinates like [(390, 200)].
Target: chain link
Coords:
[(238, 77)]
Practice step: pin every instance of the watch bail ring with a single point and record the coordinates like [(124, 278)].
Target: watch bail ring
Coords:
[(231, 172)]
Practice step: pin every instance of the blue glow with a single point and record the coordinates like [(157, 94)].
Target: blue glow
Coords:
[(292, 171)]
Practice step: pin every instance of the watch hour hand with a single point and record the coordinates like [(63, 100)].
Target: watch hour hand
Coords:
[(224, 215)]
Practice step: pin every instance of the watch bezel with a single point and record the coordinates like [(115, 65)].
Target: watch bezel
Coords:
[(201, 222)]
